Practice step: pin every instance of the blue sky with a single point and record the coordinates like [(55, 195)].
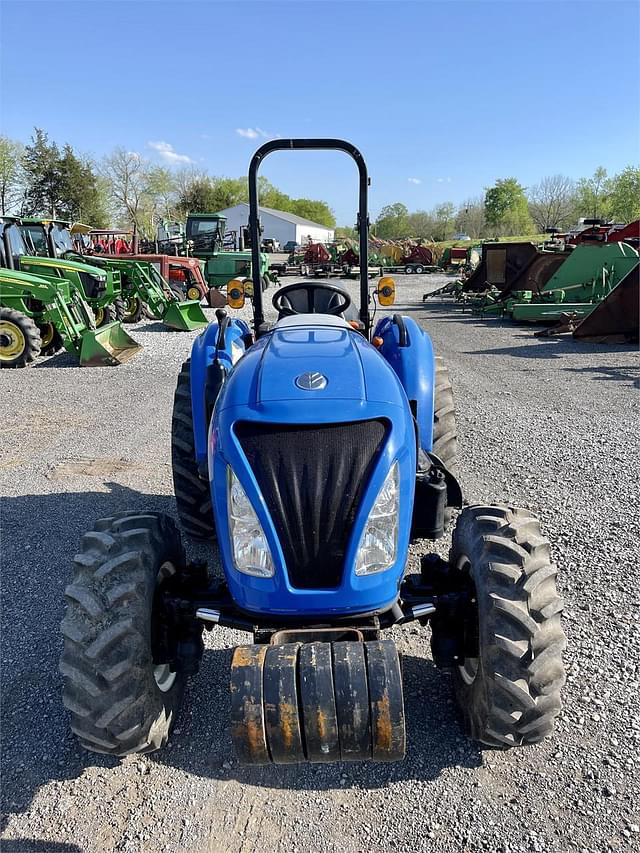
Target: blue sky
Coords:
[(441, 97)]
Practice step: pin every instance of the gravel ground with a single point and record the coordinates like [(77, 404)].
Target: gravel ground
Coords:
[(551, 425)]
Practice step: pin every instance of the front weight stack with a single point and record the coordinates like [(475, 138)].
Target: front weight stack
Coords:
[(317, 702)]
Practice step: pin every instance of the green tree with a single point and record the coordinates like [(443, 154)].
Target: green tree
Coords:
[(316, 211), (421, 224), (82, 199), (624, 195), (43, 179), (443, 220), (197, 196), (126, 175), (470, 218), (592, 196), (506, 208), (11, 175), (161, 188), (393, 222)]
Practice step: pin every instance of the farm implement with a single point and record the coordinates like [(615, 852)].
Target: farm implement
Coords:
[(24, 248), (142, 284), (313, 450), (40, 317)]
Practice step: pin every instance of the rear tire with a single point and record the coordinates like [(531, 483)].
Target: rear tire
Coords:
[(120, 691), (193, 497), (133, 309), (20, 341), (509, 695)]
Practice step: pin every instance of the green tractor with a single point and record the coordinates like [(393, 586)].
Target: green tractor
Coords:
[(39, 317), (141, 283), (205, 241), (24, 247)]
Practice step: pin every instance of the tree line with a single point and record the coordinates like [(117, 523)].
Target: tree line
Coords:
[(123, 189), (507, 208)]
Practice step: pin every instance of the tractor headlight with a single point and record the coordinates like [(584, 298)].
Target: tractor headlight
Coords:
[(379, 543), (249, 546)]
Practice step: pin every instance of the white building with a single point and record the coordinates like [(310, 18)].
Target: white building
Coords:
[(277, 225)]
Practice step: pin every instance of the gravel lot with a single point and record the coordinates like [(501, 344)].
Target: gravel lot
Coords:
[(551, 425)]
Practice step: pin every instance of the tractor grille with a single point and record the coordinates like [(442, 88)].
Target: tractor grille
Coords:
[(312, 479)]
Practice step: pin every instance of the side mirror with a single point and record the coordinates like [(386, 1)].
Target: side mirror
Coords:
[(235, 293), (386, 290)]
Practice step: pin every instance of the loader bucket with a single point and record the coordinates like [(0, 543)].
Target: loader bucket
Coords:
[(184, 316), (107, 346), (617, 317)]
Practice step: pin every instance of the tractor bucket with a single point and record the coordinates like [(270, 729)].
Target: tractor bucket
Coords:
[(617, 317), (184, 316), (107, 346)]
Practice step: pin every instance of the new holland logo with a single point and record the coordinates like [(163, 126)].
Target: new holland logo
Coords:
[(311, 381)]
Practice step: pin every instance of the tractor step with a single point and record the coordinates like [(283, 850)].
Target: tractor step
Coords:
[(317, 702)]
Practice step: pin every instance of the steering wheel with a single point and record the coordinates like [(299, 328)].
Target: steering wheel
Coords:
[(310, 289)]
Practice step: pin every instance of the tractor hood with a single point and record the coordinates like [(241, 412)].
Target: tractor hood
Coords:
[(312, 365), (61, 264)]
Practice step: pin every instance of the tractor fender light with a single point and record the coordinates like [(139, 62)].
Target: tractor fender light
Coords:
[(376, 341)]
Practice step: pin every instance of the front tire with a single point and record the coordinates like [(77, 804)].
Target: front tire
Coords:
[(193, 498), (110, 313), (508, 688), (20, 341), (119, 688)]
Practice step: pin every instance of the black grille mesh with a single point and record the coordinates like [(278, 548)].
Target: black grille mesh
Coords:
[(312, 478)]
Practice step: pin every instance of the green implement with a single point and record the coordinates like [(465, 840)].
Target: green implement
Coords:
[(39, 317), (583, 280), (143, 284), (26, 244)]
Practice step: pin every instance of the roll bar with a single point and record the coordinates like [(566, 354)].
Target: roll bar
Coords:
[(362, 224)]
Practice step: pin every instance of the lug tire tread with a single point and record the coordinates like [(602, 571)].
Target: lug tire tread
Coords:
[(33, 340), (193, 497), (106, 664), (515, 696)]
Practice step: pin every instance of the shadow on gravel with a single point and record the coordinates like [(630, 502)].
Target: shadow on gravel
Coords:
[(557, 348), (28, 845), (60, 359), (611, 374), (40, 536)]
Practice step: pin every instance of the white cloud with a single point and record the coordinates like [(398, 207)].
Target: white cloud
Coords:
[(414, 180), (443, 180), (255, 133), (167, 152)]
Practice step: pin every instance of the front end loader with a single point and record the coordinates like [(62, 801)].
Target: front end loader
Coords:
[(29, 241), (313, 450), (39, 317), (141, 283)]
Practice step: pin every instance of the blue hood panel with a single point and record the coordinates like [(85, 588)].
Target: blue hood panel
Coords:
[(292, 352), (264, 378)]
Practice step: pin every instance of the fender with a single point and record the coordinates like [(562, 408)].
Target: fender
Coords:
[(409, 351), (209, 369)]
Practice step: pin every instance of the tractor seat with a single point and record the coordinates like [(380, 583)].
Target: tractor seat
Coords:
[(305, 320), (323, 301)]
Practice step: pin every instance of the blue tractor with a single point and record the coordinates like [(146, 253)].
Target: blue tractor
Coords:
[(313, 451)]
